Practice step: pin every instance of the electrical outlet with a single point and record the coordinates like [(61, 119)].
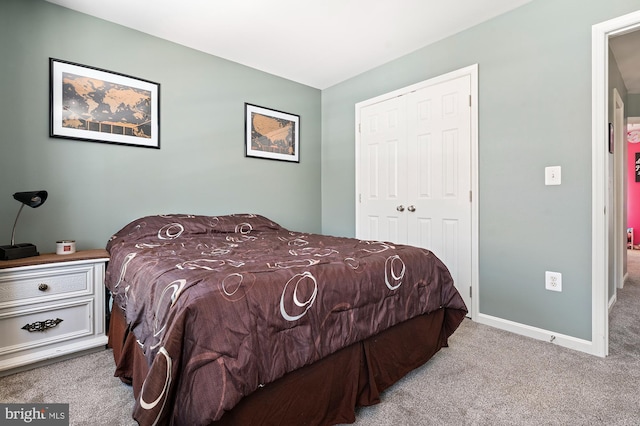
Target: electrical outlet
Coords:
[(553, 281)]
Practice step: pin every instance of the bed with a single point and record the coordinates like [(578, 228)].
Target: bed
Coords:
[(237, 320)]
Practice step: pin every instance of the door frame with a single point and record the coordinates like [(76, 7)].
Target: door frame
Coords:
[(619, 178), (472, 72), (601, 208)]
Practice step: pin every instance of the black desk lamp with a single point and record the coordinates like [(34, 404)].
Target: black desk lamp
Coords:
[(17, 251)]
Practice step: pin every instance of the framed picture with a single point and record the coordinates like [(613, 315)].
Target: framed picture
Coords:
[(271, 134), (97, 105), (611, 140)]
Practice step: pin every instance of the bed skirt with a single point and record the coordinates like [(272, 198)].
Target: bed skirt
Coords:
[(324, 393)]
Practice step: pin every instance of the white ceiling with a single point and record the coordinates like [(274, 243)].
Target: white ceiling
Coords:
[(318, 43)]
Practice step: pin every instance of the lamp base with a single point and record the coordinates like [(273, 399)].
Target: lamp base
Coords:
[(18, 251)]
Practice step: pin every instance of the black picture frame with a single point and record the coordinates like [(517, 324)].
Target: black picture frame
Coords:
[(271, 134), (96, 105)]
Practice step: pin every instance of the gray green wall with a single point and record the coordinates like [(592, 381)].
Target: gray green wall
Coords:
[(534, 111), (94, 188), (534, 107), (632, 106)]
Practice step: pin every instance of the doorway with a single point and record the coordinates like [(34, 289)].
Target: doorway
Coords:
[(605, 251)]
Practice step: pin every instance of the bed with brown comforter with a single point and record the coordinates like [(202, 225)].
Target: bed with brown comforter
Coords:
[(225, 311)]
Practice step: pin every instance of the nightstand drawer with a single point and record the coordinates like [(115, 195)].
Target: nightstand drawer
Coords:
[(40, 285), (43, 325)]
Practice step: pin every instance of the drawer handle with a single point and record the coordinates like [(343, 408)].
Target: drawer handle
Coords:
[(43, 287), (42, 325)]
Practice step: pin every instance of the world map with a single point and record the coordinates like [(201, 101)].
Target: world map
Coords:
[(102, 106)]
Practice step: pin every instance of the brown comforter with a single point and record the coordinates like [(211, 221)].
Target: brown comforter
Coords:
[(224, 305)]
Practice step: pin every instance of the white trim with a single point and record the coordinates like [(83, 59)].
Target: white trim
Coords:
[(536, 333), (600, 171), (472, 72), (599, 174), (612, 302), (475, 194), (619, 176)]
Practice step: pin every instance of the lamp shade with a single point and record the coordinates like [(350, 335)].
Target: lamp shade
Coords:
[(32, 198)]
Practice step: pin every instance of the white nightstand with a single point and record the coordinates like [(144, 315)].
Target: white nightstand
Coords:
[(51, 306)]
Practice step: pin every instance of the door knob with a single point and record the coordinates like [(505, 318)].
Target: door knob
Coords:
[(411, 208), (400, 208)]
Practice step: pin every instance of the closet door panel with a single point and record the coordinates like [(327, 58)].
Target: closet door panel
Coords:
[(383, 158), (439, 173)]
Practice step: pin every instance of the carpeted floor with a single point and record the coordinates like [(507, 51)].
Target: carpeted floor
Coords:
[(486, 377)]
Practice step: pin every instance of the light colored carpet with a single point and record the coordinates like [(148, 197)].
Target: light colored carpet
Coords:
[(486, 377), (86, 383)]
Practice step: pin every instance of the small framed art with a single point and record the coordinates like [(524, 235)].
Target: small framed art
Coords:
[(96, 105), (611, 140), (271, 134)]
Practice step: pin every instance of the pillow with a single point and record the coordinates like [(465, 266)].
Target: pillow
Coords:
[(243, 224), (162, 228)]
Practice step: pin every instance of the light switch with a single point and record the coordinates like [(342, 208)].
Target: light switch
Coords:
[(553, 175)]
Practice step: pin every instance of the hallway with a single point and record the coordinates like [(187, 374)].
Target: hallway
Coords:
[(624, 327)]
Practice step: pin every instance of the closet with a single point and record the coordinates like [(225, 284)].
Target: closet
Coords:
[(414, 171)]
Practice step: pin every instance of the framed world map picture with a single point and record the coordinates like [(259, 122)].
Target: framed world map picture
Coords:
[(271, 134), (97, 105)]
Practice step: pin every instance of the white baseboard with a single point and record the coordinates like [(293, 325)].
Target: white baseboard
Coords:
[(537, 333), (612, 302)]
